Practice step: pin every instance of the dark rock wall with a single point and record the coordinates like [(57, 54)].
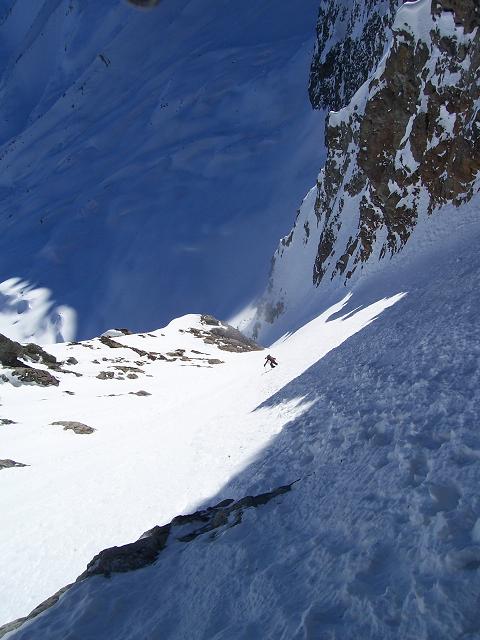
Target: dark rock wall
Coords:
[(405, 145), (419, 134), (351, 39)]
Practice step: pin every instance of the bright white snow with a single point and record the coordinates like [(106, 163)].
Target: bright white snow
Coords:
[(27, 314), (151, 457), (374, 406)]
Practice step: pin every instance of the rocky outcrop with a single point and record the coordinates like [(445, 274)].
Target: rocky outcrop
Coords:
[(224, 336), (406, 145), (13, 354), (419, 122), (113, 344), (351, 39), (29, 375), (77, 427), (9, 464), (106, 375), (10, 352), (181, 530)]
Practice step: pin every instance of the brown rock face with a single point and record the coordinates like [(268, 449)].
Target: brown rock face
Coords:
[(418, 135), (407, 144)]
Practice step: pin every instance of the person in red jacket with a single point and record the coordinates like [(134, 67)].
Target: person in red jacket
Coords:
[(271, 361)]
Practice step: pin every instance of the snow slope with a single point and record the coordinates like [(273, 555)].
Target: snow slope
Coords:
[(373, 409), (151, 457), (140, 150)]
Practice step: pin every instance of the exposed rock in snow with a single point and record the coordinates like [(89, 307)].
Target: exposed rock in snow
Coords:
[(29, 375), (12, 355), (77, 427), (374, 406), (9, 464), (406, 145), (106, 375), (10, 351), (351, 39), (226, 337), (181, 530)]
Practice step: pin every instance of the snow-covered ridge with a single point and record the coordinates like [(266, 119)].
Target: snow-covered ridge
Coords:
[(405, 146)]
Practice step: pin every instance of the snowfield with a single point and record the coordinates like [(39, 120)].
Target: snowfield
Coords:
[(152, 457), (373, 409)]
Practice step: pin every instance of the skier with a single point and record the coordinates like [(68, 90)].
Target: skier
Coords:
[(271, 361)]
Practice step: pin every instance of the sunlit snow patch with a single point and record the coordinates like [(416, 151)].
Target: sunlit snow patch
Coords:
[(28, 314)]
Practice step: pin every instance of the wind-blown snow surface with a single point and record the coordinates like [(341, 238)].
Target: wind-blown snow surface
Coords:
[(379, 539), (28, 314), (141, 150), (151, 457)]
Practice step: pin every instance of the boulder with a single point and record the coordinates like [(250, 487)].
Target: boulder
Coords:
[(35, 376), (9, 464), (77, 427), (10, 351), (105, 375)]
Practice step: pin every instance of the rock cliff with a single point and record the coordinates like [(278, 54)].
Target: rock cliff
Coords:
[(351, 39), (407, 144)]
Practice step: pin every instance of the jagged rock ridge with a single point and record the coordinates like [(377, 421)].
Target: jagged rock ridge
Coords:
[(351, 39), (407, 144)]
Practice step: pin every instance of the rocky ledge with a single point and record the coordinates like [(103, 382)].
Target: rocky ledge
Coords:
[(183, 529), (13, 356), (10, 464), (224, 336)]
